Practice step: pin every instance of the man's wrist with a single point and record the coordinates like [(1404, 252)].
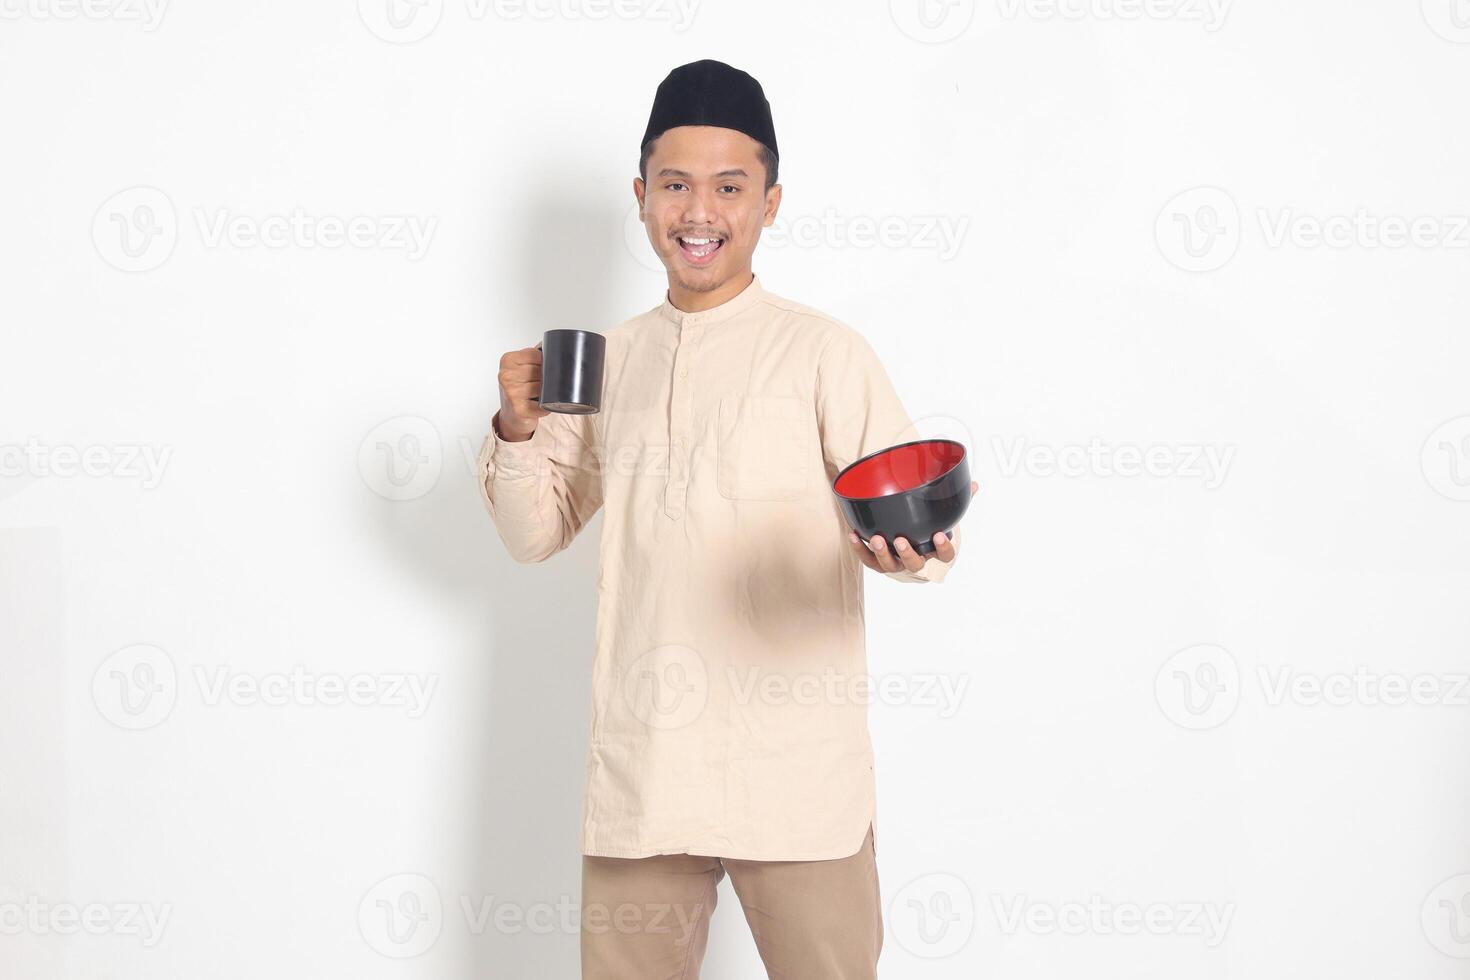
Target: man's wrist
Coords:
[(503, 436)]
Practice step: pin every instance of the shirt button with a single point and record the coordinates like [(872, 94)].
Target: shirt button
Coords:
[(683, 372)]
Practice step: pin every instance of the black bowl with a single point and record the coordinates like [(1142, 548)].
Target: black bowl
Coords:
[(910, 491)]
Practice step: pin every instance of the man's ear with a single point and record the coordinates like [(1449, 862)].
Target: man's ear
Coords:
[(639, 189), (773, 204)]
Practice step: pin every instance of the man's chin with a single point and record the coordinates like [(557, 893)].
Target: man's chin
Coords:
[(698, 280), (699, 286)]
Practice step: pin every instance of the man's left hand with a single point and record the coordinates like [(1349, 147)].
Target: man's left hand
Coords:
[(877, 555)]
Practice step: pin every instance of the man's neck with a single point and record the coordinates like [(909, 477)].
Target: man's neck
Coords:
[(689, 301)]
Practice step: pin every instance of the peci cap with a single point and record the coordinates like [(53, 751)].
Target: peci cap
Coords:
[(711, 93)]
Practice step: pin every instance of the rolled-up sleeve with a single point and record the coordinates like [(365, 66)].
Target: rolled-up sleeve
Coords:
[(541, 491), (859, 412)]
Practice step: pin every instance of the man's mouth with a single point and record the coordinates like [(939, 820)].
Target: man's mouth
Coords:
[(700, 249)]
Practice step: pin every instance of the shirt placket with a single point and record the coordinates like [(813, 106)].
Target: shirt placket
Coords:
[(681, 417)]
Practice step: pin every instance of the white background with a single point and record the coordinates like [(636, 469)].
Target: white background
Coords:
[(1135, 188)]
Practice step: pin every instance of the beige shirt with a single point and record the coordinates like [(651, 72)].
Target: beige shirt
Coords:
[(730, 684)]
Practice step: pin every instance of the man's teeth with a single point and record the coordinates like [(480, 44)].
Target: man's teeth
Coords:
[(700, 248)]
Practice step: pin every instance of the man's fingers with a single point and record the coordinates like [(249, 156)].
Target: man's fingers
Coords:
[(886, 560), (943, 547), (864, 553), (867, 553), (907, 556), (521, 399), (877, 555), (526, 355), (520, 374)]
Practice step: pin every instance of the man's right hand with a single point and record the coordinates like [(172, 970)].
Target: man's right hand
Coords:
[(520, 383)]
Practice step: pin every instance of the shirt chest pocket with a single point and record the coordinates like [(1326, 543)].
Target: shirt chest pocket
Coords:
[(764, 447)]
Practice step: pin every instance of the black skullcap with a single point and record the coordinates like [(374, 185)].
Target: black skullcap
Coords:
[(711, 93)]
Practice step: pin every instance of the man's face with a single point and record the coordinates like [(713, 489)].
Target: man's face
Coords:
[(705, 203)]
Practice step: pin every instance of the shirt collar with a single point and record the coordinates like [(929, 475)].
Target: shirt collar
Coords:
[(748, 297)]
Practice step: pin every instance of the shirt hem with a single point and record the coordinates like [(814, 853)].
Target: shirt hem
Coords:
[(696, 849)]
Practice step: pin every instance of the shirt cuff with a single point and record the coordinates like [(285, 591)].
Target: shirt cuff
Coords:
[(512, 459)]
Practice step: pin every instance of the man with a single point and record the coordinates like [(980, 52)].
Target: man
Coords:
[(729, 722)]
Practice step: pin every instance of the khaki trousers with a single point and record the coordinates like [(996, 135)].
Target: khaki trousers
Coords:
[(648, 918)]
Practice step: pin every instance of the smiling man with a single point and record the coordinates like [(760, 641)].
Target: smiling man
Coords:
[(729, 729)]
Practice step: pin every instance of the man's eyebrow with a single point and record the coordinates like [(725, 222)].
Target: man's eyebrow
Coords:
[(671, 172)]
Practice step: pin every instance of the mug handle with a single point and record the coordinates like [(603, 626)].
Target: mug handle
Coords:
[(537, 398)]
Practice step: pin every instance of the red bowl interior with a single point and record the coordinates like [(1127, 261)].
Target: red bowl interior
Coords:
[(900, 468)]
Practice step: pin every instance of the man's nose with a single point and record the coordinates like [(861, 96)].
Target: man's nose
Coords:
[(699, 209)]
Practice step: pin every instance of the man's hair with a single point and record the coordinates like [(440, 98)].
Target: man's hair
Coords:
[(767, 158)]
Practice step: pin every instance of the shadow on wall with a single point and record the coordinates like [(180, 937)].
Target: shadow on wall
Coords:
[(524, 677)]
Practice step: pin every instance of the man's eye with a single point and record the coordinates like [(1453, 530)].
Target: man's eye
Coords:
[(730, 187), (673, 186)]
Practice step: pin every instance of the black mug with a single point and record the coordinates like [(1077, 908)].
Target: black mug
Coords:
[(571, 371)]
